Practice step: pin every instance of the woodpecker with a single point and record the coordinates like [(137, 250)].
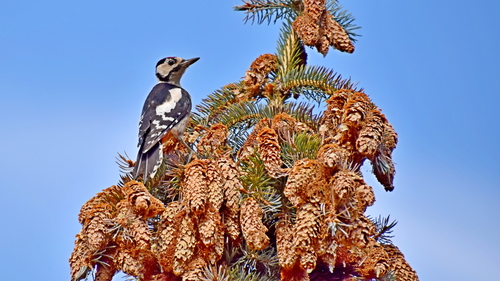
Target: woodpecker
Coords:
[(164, 117)]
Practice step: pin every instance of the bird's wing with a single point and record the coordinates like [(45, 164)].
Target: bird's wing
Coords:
[(165, 106)]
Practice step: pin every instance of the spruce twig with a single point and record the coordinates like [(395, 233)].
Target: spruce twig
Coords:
[(384, 231), (269, 10)]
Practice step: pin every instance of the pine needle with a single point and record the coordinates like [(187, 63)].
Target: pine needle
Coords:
[(212, 106), (125, 164), (384, 229), (270, 10), (288, 51), (319, 78)]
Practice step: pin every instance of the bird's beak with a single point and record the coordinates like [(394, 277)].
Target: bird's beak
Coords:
[(189, 62)]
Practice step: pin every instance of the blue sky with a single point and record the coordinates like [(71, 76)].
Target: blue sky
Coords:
[(74, 75)]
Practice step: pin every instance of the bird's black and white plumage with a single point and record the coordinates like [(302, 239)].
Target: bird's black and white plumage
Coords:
[(165, 114)]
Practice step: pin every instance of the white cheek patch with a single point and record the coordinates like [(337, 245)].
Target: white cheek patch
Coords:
[(168, 105), (164, 69)]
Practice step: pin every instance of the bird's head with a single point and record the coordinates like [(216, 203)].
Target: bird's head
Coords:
[(170, 69)]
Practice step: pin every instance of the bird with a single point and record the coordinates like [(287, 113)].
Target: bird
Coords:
[(164, 117)]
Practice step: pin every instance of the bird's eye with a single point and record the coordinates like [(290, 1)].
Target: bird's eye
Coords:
[(171, 62)]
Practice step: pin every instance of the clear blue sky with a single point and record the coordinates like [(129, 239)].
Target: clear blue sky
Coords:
[(74, 75)]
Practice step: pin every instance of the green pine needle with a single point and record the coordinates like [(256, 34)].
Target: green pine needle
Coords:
[(211, 106), (256, 265), (269, 10), (304, 145), (389, 276), (289, 50), (319, 78), (247, 114), (256, 180), (384, 229)]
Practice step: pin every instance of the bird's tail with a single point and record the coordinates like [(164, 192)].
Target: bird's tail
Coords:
[(148, 162)]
